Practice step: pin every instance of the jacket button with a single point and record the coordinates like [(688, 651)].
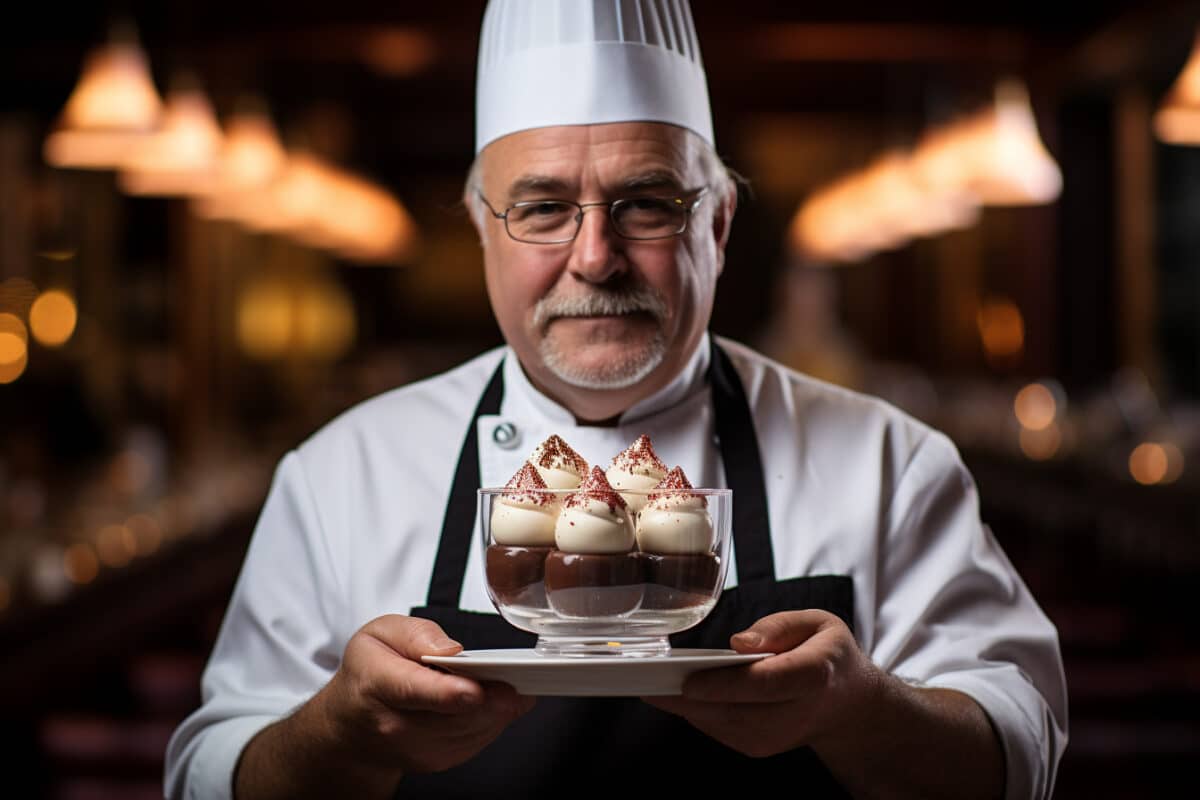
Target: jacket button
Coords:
[(506, 436)]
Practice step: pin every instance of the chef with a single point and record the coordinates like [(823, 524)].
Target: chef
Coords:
[(909, 659)]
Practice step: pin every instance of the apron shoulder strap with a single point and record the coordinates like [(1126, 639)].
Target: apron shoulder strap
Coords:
[(743, 469), (458, 523)]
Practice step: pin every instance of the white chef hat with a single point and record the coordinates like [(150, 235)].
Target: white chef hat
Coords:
[(583, 62)]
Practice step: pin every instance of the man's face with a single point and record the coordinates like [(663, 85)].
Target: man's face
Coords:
[(602, 312)]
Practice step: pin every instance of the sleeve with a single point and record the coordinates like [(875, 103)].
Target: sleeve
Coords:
[(954, 613), (277, 644)]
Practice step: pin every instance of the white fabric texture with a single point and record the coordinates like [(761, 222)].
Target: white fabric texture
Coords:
[(351, 526), (582, 62)]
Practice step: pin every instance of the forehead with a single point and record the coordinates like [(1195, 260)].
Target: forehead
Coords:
[(579, 158)]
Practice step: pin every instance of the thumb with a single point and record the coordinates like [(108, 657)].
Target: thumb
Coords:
[(413, 637), (779, 632)]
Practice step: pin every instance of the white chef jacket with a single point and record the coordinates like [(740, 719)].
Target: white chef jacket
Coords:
[(351, 525)]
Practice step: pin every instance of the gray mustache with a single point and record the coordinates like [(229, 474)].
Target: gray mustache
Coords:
[(632, 301)]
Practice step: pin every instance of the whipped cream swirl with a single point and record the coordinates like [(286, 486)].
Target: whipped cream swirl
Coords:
[(594, 520)]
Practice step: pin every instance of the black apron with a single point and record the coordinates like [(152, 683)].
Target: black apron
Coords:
[(621, 746)]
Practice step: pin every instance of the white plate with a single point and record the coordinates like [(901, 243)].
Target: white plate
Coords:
[(532, 674)]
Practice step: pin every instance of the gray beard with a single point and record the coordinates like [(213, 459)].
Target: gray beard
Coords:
[(634, 365)]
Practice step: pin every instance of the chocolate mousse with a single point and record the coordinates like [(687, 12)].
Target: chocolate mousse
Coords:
[(595, 571), (522, 528), (675, 536)]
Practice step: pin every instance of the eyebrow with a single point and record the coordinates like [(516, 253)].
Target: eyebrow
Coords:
[(538, 186), (542, 186), (652, 181)]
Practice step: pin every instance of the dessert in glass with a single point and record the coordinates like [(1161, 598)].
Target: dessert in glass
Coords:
[(610, 566)]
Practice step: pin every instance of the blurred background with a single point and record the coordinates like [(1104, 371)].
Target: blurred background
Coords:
[(223, 223)]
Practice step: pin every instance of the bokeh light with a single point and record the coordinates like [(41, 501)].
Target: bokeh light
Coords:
[(1035, 407), (1042, 444), (324, 320), (264, 320), (80, 563), (1156, 463), (1001, 328), (313, 318), (116, 545), (52, 318), (147, 535), (14, 347)]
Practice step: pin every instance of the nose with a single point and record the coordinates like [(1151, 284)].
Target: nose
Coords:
[(596, 256)]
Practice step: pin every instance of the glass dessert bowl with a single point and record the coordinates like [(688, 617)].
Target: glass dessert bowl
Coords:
[(596, 572)]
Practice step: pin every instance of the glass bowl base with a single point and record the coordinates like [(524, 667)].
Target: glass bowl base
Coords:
[(599, 647)]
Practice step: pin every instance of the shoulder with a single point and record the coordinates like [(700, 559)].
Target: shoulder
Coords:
[(837, 439), (781, 396)]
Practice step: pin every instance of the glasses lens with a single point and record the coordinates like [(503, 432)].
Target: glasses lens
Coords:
[(542, 221), (649, 217)]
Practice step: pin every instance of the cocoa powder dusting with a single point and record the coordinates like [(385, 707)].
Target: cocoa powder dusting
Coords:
[(639, 456), (528, 478), (554, 451), (675, 484), (596, 487)]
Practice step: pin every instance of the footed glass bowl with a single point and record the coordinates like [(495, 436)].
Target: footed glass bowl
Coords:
[(624, 602)]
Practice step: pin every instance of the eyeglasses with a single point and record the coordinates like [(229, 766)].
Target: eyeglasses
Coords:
[(559, 221)]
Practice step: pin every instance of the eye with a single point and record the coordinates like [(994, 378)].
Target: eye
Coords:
[(539, 210), (650, 205)]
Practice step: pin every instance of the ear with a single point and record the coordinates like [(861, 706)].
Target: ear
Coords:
[(475, 213), (722, 222)]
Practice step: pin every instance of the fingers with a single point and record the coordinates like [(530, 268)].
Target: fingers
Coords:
[(407, 685), (782, 631), (807, 644), (751, 728), (500, 706), (390, 668)]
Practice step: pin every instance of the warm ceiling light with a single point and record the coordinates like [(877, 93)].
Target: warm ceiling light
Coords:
[(827, 227), (293, 200), (364, 222), (879, 208), (902, 207), (251, 157), (179, 159), (322, 206), (113, 107), (995, 154), (1178, 119)]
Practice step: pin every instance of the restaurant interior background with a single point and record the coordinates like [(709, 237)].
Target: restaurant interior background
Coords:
[(985, 213)]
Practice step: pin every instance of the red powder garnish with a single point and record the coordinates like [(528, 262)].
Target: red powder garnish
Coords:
[(675, 484), (527, 477), (596, 487), (554, 452), (639, 457)]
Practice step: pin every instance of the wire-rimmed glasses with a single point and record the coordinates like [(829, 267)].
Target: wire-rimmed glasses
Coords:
[(640, 218)]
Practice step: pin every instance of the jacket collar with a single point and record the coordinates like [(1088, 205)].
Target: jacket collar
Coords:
[(521, 397)]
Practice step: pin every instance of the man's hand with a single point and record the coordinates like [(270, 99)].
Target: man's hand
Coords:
[(877, 735), (382, 715), (818, 685), (400, 711)]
